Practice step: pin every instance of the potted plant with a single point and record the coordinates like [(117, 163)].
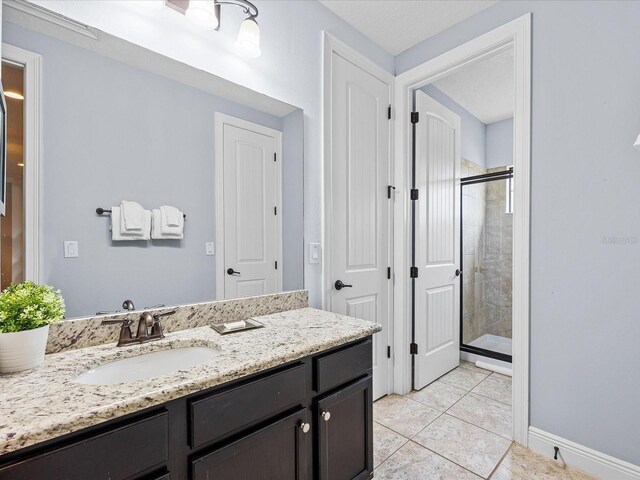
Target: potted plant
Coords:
[(26, 310)]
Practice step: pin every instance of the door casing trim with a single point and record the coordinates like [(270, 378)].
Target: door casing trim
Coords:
[(32, 63), (517, 35), (222, 119)]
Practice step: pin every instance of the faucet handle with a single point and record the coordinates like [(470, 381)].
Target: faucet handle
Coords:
[(126, 322), (156, 328), (158, 316)]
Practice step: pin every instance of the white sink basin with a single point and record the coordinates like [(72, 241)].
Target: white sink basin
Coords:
[(147, 366)]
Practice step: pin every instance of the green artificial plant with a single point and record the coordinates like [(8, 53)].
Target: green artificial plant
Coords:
[(25, 306)]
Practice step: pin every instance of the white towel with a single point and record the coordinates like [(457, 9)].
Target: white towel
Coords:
[(118, 235), (131, 217), (156, 228), (170, 216)]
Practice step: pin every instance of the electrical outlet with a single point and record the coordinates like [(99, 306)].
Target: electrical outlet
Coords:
[(70, 249), (209, 248)]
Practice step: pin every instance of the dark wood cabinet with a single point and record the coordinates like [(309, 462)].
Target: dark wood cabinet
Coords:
[(278, 450), (345, 432), (121, 452), (269, 425)]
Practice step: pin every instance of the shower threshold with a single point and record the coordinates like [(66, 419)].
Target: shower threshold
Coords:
[(494, 343)]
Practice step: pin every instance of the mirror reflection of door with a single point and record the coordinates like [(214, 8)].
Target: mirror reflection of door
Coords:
[(12, 260), (252, 244)]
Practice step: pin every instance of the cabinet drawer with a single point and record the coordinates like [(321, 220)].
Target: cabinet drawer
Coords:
[(224, 413), (117, 454), (277, 451), (340, 367)]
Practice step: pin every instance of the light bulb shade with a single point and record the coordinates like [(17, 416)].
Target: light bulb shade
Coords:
[(249, 38), (203, 13), (637, 144)]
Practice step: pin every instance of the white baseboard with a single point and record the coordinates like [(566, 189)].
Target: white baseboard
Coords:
[(582, 458)]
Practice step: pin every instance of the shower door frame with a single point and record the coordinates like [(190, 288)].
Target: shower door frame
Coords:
[(473, 180)]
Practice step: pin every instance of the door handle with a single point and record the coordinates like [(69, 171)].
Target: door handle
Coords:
[(458, 272), (340, 285), (231, 271)]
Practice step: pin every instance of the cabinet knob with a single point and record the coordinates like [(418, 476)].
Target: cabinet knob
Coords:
[(326, 416), (305, 427)]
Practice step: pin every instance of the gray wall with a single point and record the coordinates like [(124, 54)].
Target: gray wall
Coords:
[(473, 130), (114, 132), (499, 144), (585, 224)]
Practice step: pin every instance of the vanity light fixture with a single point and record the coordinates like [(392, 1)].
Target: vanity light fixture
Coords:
[(249, 38), (203, 13), (15, 95), (637, 144), (152, 4), (206, 14)]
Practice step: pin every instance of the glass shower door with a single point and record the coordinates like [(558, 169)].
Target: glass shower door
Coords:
[(486, 244)]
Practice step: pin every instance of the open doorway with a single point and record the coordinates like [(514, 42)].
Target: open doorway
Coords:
[(462, 217), (12, 224), (515, 35)]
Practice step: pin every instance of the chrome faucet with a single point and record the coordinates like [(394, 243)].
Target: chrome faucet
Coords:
[(149, 328)]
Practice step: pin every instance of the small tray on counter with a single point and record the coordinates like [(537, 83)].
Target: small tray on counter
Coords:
[(236, 326)]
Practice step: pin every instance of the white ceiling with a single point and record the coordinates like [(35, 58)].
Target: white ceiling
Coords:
[(485, 88), (396, 25)]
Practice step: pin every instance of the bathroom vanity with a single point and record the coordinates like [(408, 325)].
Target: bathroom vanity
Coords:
[(292, 400)]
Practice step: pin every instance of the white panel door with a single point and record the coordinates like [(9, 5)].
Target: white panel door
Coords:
[(437, 241), (359, 212), (251, 232)]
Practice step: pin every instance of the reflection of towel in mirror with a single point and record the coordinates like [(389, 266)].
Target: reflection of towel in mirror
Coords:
[(156, 228), (172, 221), (131, 217), (118, 235)]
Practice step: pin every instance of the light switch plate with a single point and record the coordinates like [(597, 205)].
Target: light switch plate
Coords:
[(70, 249), (315, 253), (209, 248)]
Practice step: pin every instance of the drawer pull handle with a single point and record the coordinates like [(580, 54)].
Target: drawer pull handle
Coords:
[(326, 416), (305, 427)]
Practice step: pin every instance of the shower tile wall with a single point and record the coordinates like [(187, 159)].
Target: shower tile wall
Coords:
[(498, 258), (487, 238)]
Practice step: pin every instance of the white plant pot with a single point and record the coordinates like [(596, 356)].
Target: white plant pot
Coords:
[(22, 350)]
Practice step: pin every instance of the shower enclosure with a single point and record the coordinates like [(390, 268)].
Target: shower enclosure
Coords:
[(486, 252)]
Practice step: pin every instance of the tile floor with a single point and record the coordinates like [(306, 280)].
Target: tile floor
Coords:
[(456, 428)]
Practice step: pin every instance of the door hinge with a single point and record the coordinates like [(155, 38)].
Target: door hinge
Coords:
[(415, 117), (275, 157), (388, 273), (275, 210), (276, 264), (388, 351), (414, 194), (413, 272), (389, 188), (413, 348), (389, 113)]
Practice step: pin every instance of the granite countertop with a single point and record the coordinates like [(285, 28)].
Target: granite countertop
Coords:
[(45, 403)]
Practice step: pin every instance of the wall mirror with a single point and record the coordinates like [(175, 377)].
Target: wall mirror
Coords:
[(112, 121)]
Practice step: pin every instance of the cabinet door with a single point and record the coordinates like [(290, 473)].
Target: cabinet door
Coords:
[(345, 432), (278, 450)]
